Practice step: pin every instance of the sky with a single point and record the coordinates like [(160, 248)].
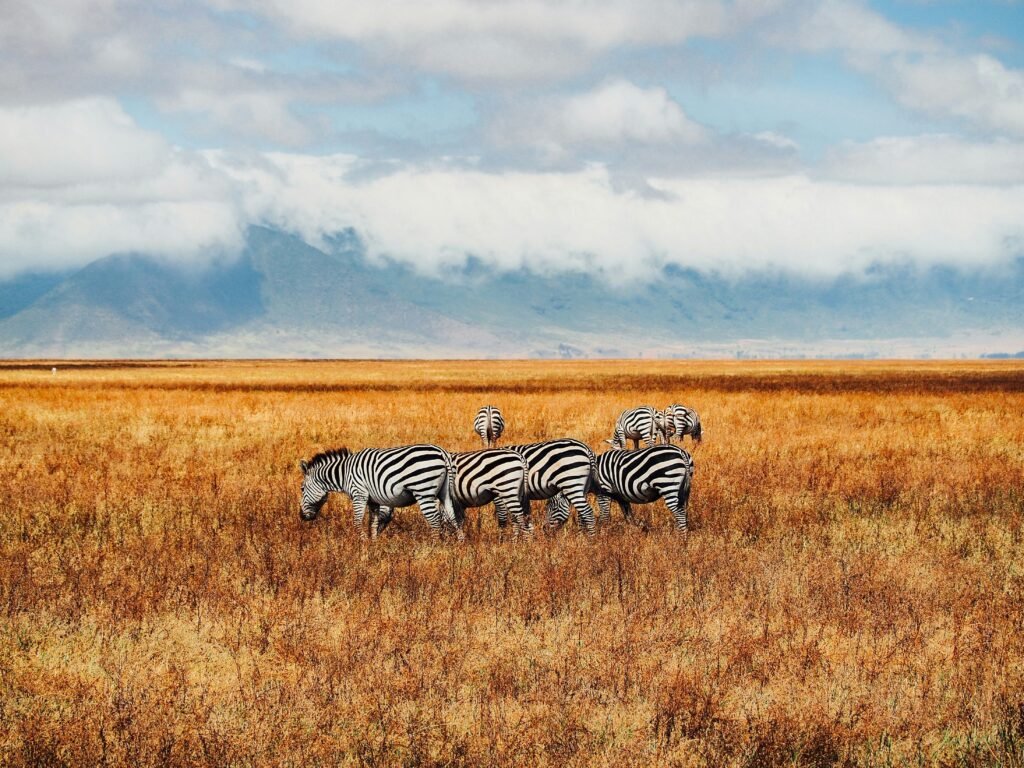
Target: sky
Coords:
[(616, 136)]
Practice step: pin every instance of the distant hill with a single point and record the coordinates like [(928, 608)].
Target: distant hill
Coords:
[(283, 297)]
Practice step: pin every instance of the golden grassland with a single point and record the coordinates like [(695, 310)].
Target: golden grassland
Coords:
[(850, 592)]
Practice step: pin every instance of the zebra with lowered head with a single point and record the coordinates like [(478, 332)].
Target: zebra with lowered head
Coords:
[(489, 424), (481, 477), (680, 420), (382, 477), (560, 467), (636, 424), (637, 477)]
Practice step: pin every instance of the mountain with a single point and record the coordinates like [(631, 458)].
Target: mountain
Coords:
[(284, 297)]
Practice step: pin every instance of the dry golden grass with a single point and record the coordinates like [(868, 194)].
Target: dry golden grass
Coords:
[(851, 592)]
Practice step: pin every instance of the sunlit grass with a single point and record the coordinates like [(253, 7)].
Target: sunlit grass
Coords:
[(851, 592)]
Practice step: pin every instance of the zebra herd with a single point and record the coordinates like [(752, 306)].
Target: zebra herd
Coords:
[(561, 472)]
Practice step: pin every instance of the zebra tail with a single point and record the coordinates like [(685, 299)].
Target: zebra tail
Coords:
[(684, 489)]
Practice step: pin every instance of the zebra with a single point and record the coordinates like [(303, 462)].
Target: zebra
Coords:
[(495, 474), (680, 420), (636, 424), (564, 467), (637, 477), (372, 477), (489, 424)]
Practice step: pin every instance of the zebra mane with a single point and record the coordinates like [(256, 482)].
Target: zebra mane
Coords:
[(323, 456)]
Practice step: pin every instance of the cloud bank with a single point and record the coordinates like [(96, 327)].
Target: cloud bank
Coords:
[(69, 206)]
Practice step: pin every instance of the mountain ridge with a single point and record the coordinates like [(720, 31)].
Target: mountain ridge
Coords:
[(284, 297)]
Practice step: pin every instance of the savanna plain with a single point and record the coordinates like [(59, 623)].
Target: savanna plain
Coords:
[(851, 591)]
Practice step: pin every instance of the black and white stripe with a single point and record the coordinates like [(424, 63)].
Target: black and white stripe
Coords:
[(637, 477), (481, 477), (489, 424), (636, 424), (562, 466), (382, 477), (679, 421)]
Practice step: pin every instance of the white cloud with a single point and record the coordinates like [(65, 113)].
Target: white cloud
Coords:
[(86, 139), (851, 27), (43, 235), (433, 218), (79, 180), (614, 114), (619, 111), (978, 88), (258, 113), (776, 140), (935, 159), (919, 70), (486, 40)]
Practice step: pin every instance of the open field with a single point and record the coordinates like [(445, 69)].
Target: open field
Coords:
[(852, 591)]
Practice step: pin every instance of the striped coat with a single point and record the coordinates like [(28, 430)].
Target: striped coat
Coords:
[(382, 477)]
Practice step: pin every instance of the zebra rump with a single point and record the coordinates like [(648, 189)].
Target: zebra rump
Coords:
[(680, 420), (638, 477), (641, 423), (563, 466), (489, 424)]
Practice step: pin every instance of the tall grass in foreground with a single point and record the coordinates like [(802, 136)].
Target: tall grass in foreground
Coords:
[(851, 592)]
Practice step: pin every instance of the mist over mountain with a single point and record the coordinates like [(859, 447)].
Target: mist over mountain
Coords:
[(283, 297)]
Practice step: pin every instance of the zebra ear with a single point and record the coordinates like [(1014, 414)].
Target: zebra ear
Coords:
[(304, 465), (610, 442)]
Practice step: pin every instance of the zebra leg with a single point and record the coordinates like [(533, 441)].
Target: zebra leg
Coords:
[(432, 513), (359, 501), (604, 503), (384, 515), (519, 510), (627, 513), (578, 498), (501, 508), (438, 521), (524, 506), (501, 513), (677, 499), (374, 518)]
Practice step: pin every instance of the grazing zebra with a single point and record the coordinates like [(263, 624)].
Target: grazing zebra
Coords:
[(637, 477), (376, 477), (482, 477), (680, 420), (636, 424), (489, 424), (564, 467)]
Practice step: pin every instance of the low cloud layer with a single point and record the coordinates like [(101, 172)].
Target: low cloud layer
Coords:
[(151, 197), (434, 218)]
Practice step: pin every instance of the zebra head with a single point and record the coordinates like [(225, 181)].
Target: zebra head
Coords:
[(557, 512), (317, 483), (616, 445)]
